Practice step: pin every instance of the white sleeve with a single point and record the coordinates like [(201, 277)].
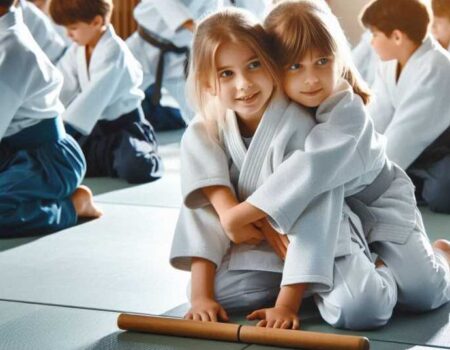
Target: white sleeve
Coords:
[(10, 102), (203, 163), (68, 67), (422, 115), (88, 107), (380, 108), (334, 155), (173, 12)]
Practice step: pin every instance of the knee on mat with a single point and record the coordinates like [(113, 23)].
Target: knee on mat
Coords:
[(359, 313), (140, 169), (421, 298)]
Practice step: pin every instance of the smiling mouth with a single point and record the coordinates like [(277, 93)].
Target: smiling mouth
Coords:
[(248, 97), (311, 93)]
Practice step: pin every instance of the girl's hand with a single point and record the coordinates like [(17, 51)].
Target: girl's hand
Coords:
[(277, 241), (248, 234), (276, 317), (206, 310)]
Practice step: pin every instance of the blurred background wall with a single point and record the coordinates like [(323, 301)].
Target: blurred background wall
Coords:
[(346, 10)]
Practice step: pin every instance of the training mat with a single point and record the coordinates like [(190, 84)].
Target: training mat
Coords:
[(437, 225), (165, 192), (425, 329), (99, 185), (25, 326), (118, 262)]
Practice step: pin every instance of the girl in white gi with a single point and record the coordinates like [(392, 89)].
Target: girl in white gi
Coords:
[(344, 139), (41, 167), (102, 96), (257, 129), (411, 105)]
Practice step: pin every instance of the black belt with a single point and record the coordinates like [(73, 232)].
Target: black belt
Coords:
[(164, 46)]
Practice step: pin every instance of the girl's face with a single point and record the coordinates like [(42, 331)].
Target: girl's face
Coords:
[(311, 80), (244, 85)]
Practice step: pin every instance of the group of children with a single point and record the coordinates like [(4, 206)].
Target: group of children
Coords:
[(286, 176), (66, 111), (289, 189)]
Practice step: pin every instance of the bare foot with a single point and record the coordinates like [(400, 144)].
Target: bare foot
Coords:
[(84, 204), (444, 246)]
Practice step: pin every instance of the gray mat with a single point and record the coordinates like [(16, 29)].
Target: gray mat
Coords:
[(437, 225), (24, 326), (165, 192), (118, 262)]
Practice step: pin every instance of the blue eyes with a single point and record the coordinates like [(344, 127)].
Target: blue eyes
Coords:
[(254, 64), (320, 62), (250, 66)]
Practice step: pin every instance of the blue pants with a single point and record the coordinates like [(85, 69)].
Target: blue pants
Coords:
[(125, 148), (433, 185), (36, 183), (161, 117)]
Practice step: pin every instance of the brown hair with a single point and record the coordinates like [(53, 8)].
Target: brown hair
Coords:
[(6, 3), (295, 27), (411, 17), (441, 8), (229, 25), (66, 12)]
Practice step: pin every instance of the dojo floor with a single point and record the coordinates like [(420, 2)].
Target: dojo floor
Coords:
[(64, 291)]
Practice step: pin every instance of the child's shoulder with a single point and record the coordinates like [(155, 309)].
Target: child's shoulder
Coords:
[(298, 117)]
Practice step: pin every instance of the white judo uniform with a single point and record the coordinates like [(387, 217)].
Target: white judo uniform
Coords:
[(325, 236), (105, 90), (43, 31), (365, 58), (413, 111), (40, 165), (344, 150), (103, 105)]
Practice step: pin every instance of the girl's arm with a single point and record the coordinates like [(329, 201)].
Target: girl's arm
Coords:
[(204, 307), (285, 312), (223, 200)]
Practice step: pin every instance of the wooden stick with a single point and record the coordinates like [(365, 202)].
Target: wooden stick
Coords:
[(301, 339), (179, 327), (239, 333)]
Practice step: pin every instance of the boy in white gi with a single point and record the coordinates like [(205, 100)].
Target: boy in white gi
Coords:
[(257, 129), (441, 22), (43, 31), (411, 105), (102, 95), (41, 167)]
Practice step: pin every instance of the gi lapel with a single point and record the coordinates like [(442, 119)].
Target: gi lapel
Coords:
[(82, 67), (249, 162)]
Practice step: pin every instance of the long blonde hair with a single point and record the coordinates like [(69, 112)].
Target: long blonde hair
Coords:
[(297, 26), (226, 26)]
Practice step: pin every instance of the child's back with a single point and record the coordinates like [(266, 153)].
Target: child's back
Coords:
[(33, 144)]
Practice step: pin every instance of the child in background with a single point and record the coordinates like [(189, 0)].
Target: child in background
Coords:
[(245, 115), (441, 22), (42, 30), (102, 96), (411, 105), (41, 167)]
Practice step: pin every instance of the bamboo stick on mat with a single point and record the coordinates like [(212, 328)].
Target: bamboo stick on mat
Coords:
[(241, 333)]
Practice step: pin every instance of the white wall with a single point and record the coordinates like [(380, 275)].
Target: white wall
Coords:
[(348, 13)]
